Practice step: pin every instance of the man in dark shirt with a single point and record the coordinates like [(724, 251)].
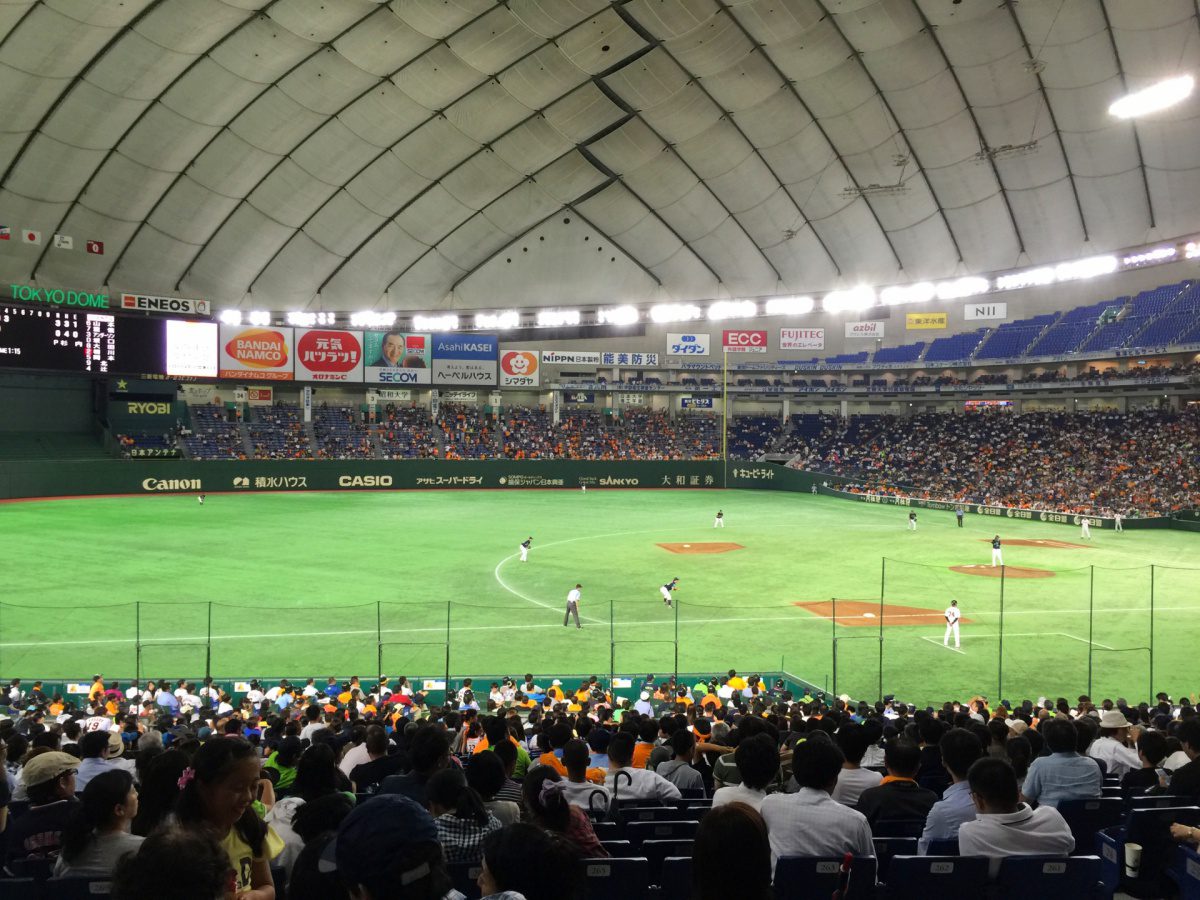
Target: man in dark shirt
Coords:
[(369, 775), (1185, 781), (899, 797), (429, 751), (49, 779)]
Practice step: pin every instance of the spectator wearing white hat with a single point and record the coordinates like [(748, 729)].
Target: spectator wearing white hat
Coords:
[(643, 707), (1112, 747)]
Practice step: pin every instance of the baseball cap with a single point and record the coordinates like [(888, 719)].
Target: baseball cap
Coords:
[(116, 745), (46, 767), (372, 836)]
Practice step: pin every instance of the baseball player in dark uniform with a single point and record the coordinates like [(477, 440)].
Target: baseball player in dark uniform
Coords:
[(666, 589), (525, 545)]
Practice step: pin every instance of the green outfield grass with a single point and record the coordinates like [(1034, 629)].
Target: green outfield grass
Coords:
[(302, 583)]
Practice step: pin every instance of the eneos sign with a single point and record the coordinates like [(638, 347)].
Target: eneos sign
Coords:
[(744, 341)]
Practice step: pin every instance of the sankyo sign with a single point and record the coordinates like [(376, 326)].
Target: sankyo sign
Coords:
[(58, 296)]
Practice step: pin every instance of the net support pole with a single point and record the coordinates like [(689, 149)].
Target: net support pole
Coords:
[(612, 647), (676, 605), (449, 605), (725, 420), (882, 582), (833, 626), (137, 640), (208, 643), (1151, 694), (1091, 621), (1000, 654), (378, 638)]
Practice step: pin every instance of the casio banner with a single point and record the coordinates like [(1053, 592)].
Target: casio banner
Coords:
[(744, 341), (801, 338)]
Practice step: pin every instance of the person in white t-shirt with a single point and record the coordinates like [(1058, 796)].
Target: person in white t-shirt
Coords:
[(1004, 825), (573, 598), (757, 761), (255, 694), (952, 615), (853, 740), (628, 783)]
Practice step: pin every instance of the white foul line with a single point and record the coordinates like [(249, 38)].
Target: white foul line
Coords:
[(943, 646)]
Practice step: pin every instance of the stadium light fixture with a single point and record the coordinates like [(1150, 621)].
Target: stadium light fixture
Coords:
[(259, 317), (732, 309), (789, 306), (1191, 250), (971, 286), (326, 318), (1158, 254), (371, 319), (898, 295), (861, 297), (557, 318), (497, 321), (1160, 96), (674, 312), (447, 322), (618, 315), (231, 317), (302, 319)]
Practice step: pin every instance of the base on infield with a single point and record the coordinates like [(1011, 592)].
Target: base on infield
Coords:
[(865, 613), (1009, 571), (1050, 545), (713, 547)]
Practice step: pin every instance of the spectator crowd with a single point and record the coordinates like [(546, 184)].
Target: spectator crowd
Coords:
[(352, 790)]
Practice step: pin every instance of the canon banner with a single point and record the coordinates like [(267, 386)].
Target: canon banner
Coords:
[(323, 355), (465, 359), (864, 329), (570, 358), (744, 341), (256, 353), (397, 358), (801, 338), (520, 368)]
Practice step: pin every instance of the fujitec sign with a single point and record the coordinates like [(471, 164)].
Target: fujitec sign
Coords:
[(744, 341), (801, 338)]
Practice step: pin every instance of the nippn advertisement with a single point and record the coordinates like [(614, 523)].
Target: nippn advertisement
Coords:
[(323, 355), (397, 358), (519, 368), (255, 353)]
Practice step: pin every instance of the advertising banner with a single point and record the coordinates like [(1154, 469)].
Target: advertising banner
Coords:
[(519, 368), (256, 353), (920, 321), (801, 338), (458, 396), (613, 358), (744, 341), (579, 397), (323, 355), (192, 348), (985, 311), (696, 402), (170, 305), (468, 359), (570, 358), (864, 329), (688, 344), (392, 396), (397, 358), (259, 396)]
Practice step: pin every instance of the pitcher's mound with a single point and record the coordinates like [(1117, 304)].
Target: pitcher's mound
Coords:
[(1053, 545), (712, 547), (866, 613), (1009, 571)]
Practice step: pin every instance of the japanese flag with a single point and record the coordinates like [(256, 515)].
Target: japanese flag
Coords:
[(31, 237)]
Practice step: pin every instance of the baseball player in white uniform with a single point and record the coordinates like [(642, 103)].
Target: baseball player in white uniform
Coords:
[(573, 606), (525, 545), (719, 521), (912, 521), (997, 556), (666, 589), (1085, 526), (952, 617), (1118, 519)]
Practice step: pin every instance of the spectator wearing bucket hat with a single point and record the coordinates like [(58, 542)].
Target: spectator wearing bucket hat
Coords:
[(1112, 747), (388, 848), (49, 782)]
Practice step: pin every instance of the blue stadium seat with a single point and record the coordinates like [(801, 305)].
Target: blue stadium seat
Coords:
[(675, 882), (656, 851), (618, 848), (674, 830), (1049, 877), (607, 831), (943, 847), (616, 879), (1157, 801), (27, 888), (1150, 829), (898, 828), (649, 813), (819, 876), (1185, 872), (886, 848), (1087, 817), (923, 877), (463, 877)]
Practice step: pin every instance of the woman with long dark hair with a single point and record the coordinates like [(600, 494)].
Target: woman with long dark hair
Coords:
[(217, 795), (733, 831), (97, 834), (461, 818), (159, 790), (548, 806)]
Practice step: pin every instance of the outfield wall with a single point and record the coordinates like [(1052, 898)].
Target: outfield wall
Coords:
[(61, 478)]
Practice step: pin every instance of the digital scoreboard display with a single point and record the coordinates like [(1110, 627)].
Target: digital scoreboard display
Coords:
[(67, 340)]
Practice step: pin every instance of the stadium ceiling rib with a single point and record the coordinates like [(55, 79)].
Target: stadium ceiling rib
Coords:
[(287, 154)]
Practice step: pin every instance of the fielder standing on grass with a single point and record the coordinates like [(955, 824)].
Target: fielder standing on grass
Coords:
[(1085, 528), (573, 606), (912, 521), (666, 589), (958, 514), (719, 521), (525, 545), (952, 617), (997, 556)]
